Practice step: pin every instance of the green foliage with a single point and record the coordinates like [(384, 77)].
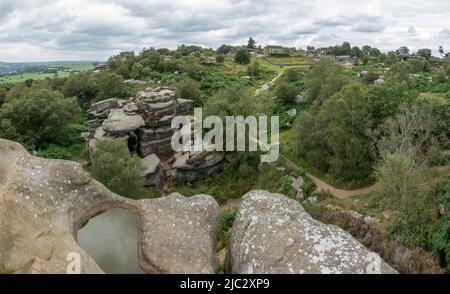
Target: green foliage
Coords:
[(407, 189), (338, 139), (2, 96), (387, 97), (60, 152), (5, 271), (286, 92), (401, 69), (251, 43), (89, 87), (39, 118), (242, 56), (116, 169), (440, 242), (224, 49), (226, 220), (234, 101), (253, 68), (190, 89), (391, 58), (220, 58), (324, 79)]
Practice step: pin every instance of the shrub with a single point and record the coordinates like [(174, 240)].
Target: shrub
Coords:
[(116, 169), (190, 89), (242, 56), (286, 92), (220, 58)]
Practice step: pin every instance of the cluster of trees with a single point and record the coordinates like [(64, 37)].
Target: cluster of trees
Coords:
[(342, 133)]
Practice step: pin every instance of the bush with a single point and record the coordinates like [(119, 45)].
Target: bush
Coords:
[(116, 169), (242, 56), (190, 89), (408, 190), (286, 92), (58, 152), (253, 69), (220, 58)]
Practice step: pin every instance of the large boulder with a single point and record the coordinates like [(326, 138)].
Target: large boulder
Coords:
[(273, 234), (43, 204), (179, 234), (120, 123)]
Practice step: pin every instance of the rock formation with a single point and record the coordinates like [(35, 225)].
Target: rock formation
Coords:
[(43, 203), (274, 234), (194, 166), (149, 115)]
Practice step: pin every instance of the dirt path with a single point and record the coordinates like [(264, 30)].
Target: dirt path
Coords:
[(325, 187)]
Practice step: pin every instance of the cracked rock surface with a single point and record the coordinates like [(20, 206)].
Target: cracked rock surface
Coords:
[(273, 234)]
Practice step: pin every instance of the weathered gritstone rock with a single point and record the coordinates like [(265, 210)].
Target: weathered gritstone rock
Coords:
[(167, 221), (273, 234), (43, 204), (120, 123), (196, 166), (153, 173)]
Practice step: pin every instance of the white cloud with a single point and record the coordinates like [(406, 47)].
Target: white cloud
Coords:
[(95, 29)]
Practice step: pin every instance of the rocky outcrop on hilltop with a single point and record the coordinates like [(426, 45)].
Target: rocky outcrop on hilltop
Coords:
[(149, 117), (43, 204), (273, 234)]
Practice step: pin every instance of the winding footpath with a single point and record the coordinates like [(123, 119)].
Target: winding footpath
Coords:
[(325, 187)]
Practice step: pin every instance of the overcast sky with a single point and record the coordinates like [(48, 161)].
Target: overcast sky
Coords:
[(43, 30)]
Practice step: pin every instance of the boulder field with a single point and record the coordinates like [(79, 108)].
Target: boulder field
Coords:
[(43, 204)]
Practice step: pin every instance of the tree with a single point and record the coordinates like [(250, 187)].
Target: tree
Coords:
[(242, 56), (416, 131), (365, 60), (137, 71), (286, 92), (387, 97), (38, 118), (224, 49), (402, 52), (441, 51), (116, 169), (417, 65), (190, 89), (425, 53), (251, 43), (366, 49), (357, 52), (324, 79), (338, 138), (348, 123), (151, 58), (2, 96), (402, 69), (391, 58)]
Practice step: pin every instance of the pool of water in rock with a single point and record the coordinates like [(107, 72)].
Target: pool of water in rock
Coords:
[(111, 240)]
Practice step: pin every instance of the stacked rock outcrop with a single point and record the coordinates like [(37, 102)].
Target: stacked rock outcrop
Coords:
[(148, 118)]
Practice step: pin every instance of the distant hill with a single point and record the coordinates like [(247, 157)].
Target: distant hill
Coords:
[(6, 67)]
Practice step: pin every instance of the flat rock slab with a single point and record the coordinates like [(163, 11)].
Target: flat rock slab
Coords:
[(273, 234), (120, 123)]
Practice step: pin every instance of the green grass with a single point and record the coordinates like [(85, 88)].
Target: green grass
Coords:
[(18, 78), (4, 270)]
